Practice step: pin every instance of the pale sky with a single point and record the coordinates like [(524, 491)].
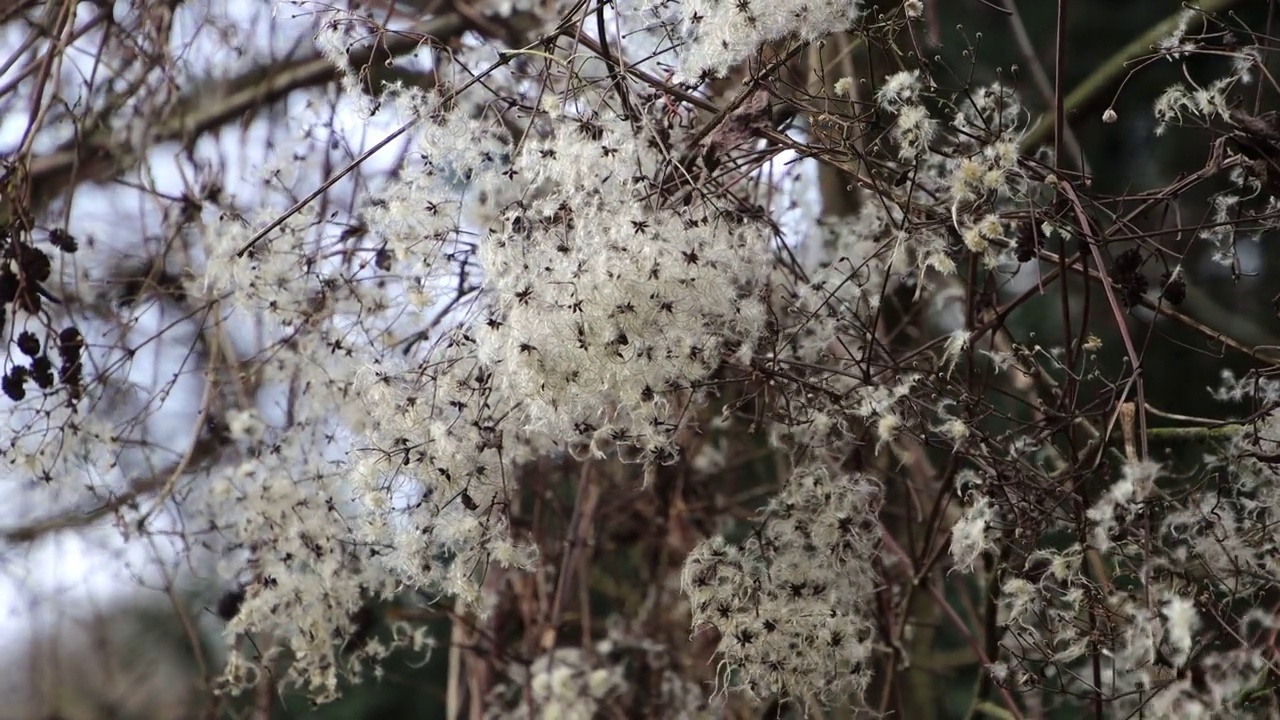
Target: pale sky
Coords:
[(46, 583)]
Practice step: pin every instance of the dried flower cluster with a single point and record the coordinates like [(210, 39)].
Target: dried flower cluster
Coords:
[(622, 674), (586, 346), (789, 601)]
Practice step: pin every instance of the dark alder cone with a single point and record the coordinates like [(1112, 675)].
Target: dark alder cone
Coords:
[(63, 240), (14, 383), (42, 372), (71, 372), (1175, 289), (28, 343), (70, 343), (33, 263), (1126, 273), (8, 286), (1129, 261), (1027, 244), (229, 604)]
